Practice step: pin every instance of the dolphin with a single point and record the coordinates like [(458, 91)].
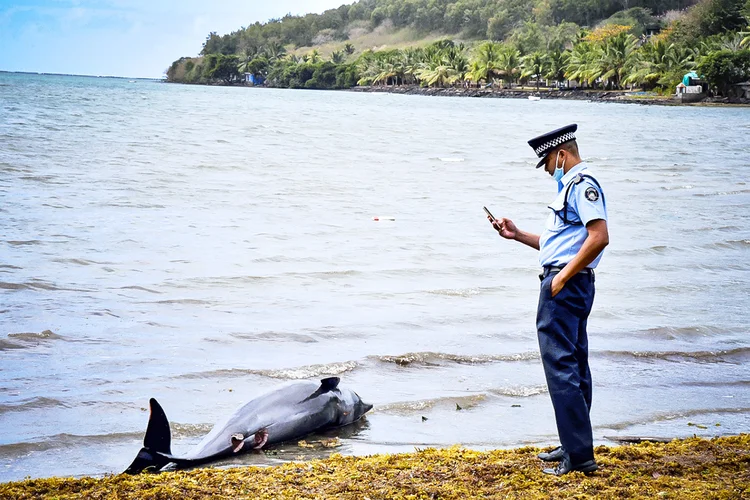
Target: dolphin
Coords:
[(285, 413)]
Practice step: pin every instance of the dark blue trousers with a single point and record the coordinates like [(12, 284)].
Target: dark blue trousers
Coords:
[(563, 344)]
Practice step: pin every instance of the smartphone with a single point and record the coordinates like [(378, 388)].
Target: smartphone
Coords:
[(489, 213)]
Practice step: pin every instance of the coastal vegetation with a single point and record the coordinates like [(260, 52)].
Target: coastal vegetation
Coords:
[(594, 44), (686, 469)]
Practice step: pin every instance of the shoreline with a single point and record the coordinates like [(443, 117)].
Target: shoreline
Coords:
[(693, 468), (618, 96)]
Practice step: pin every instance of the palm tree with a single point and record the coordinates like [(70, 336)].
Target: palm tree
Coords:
[(583, 63), (509, 63), (556, 63), (745, 41), (274, 50), (616, 57), (313, 57), (660, 63), (337, 57), (484, 65), (534, 64), (245, 56)]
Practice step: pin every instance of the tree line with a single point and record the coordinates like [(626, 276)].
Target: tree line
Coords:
[(631, 48)]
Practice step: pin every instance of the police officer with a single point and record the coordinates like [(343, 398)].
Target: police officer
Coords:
[(570, 248)]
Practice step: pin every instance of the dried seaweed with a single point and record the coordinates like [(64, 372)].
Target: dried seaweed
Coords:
[(686, 469)]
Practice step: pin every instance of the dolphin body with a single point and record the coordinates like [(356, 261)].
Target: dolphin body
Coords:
[(288, 412)]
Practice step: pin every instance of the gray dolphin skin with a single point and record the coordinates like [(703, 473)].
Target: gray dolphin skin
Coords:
[(285, 413)]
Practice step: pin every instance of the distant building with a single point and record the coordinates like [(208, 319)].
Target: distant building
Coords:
[(254, 79), (691, 88)]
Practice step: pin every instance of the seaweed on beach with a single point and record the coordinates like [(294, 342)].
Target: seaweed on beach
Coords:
[(686, 469)]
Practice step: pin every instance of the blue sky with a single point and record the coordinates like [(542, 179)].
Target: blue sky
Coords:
[(136, 38)]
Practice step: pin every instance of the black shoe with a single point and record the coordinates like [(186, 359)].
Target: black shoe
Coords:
[(555, 455), (565, 466)]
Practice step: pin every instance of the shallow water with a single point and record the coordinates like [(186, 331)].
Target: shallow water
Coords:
[(202, 244)]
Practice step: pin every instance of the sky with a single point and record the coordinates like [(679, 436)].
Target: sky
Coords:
[(128, 38)]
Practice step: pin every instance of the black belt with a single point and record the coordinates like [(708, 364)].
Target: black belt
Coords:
[(554, 269)]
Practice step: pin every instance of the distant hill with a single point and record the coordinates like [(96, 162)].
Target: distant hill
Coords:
[(494, 20), (597, 44)]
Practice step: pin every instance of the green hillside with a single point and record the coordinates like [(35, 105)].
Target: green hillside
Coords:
[(609, 44)]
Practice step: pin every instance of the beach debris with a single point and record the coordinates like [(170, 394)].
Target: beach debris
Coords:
[(515, 406), (323, 443), (458, 407), (383, 217), (424, 419), (691, 424)]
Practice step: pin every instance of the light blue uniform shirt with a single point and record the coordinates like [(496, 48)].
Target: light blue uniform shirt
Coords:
[(560, 242)]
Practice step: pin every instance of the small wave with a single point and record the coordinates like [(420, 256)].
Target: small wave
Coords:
[(80, 262), (32, 404), (436, 358), (722, 384), (63, 441), (409, 407), (131, 205), (9, 266), (676, 415), (18, 243), (457, 292), (44, 179), (722, 193), (653, 250), (729, 244), (35, 284), (141, 288), (520, 391), (726, 355), (276, 337), (195, 302), (105, 312), (45, 335), (452, 159), (27, 340), (298, 373), (673, 332)]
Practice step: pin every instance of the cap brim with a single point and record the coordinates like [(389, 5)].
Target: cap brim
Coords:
[(541, 162)]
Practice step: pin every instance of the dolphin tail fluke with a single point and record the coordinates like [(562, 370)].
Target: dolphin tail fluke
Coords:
[(157, 444), (158, 435)]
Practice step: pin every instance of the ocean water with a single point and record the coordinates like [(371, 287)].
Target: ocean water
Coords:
[(201, 245)]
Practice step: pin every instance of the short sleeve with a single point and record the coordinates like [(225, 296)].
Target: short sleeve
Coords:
[(589, 202)]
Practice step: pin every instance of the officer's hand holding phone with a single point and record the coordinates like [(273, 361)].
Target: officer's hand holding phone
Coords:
[(504, 227)]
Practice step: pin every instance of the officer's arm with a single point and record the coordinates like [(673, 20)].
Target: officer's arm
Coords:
[(529, 239), (597, 239)]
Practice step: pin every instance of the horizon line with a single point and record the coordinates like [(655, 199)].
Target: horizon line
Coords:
[(82, 75)]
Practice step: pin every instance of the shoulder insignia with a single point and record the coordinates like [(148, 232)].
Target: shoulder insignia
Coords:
[(592, 194)]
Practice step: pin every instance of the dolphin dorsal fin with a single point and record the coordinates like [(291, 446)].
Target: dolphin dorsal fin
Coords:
[(158, 436), (329, 384)]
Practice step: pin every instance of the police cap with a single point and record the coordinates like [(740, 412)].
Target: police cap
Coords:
[(545, 143)]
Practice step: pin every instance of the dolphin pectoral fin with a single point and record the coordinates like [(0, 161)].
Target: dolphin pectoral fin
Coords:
[(260, 439), (238, 441)]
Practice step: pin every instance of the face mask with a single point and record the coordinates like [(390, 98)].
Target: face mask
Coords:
[(559, 171)]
